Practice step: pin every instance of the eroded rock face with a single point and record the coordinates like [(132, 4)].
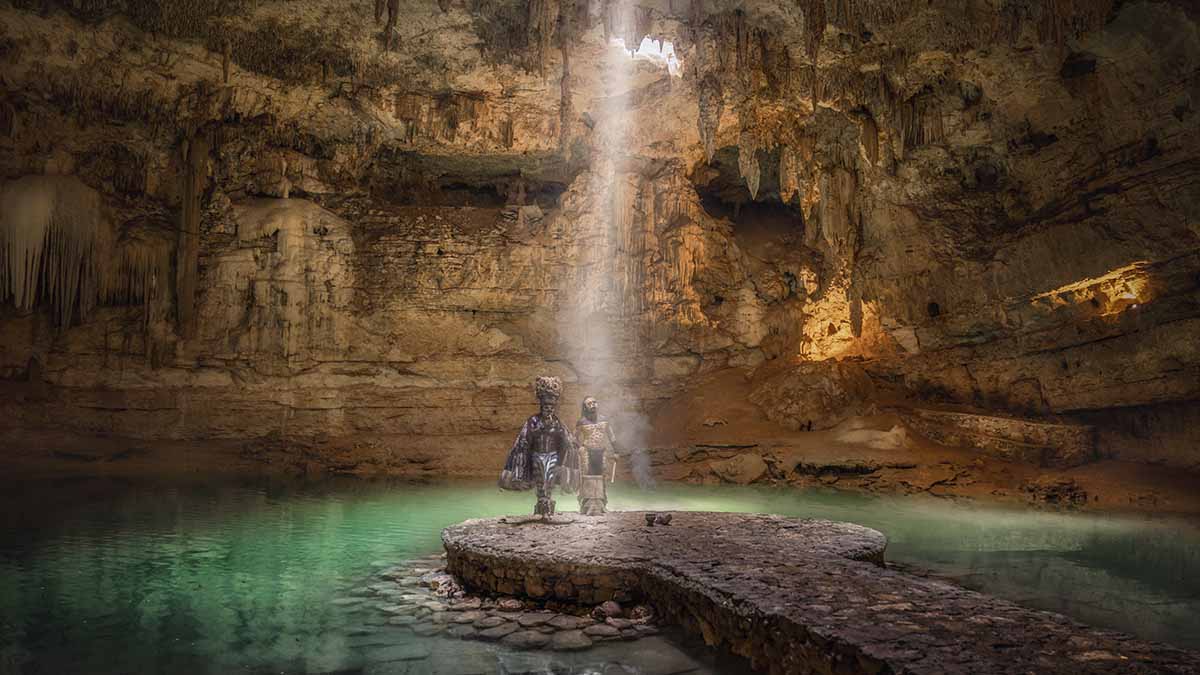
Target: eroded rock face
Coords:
[(1040, 444), (380, 224), (813, 395)]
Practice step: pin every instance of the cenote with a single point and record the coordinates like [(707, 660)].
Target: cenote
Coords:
[(255, 576), (823, 270)]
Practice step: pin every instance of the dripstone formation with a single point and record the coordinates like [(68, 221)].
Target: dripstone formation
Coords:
[(326, 227)]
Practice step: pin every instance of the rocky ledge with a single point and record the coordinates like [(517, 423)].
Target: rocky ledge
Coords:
[(793, 596)]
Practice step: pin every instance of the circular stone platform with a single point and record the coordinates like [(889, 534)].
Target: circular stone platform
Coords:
[(792, 595)]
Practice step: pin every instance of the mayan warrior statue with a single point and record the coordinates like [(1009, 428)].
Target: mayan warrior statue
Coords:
[(537, 458), (596, 439)]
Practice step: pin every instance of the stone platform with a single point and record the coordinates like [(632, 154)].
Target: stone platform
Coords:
[(793, 596)]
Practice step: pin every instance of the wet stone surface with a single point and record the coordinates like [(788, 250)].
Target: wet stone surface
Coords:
[(791, 595), (410, 606)]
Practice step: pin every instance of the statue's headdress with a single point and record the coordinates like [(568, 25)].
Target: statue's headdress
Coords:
[(547, 388)]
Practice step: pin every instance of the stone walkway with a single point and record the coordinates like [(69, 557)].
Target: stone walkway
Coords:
[(793, 596), (425, 601)]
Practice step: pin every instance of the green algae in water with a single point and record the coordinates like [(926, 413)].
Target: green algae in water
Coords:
[(177, 577)]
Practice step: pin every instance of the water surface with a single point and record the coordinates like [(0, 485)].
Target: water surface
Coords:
[(102, 576)]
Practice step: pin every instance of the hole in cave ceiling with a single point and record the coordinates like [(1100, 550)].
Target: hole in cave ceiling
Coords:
[(659, 52), (723, 192)]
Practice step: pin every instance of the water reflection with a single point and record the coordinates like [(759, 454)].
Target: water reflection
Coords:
[(114, 577)]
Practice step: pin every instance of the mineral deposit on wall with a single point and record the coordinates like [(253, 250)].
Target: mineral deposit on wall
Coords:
[(290, 219)]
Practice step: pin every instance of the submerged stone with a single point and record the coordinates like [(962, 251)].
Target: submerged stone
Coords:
[(570, 640), (490, 622), (497, 632), (403, 652), (567, 622), (428, 629), (525, 639), (601, 630), (532, 619), (469, 617)]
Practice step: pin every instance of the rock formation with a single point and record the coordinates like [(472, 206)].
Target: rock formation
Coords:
[(325, 220)]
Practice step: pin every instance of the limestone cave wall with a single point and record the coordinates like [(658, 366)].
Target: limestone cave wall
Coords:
[(369, 221)]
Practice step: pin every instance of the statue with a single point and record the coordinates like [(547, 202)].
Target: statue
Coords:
[(596, 439), (537, 458)]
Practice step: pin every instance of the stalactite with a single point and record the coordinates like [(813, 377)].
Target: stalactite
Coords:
[(870, 137), (195, 180), (226, 55), (693, 38), (140, 272), (140, 269), (543, 17), (55, 246), (1060, 20), (776, 63), (789, 173), (643, 22), (839, 224), (606, 19), (918, 121), (854, 15), (712, 101), (695, 21), (1055, 21), (816, 88), (742, 45), (806, 146), (748, 161), (389, 29), (627, 21), (565, 107), (8, 119), (632, 248), (814, 23)]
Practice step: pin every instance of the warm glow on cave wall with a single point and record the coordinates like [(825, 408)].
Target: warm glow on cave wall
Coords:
[(1112, 293)]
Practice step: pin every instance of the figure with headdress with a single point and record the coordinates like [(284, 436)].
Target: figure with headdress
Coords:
[(538, 457), (597, 443)]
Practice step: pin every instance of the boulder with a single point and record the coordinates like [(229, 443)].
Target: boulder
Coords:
[(606, 609)]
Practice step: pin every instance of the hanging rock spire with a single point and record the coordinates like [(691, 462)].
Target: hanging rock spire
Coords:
[(748, 161), (712, 101)]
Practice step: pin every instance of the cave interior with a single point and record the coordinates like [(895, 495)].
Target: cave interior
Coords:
[(900, 248)]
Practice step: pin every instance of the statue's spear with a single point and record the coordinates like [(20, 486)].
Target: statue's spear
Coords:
[(614, 471)]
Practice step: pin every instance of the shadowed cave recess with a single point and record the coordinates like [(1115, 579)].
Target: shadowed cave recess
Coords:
[(891, 247)]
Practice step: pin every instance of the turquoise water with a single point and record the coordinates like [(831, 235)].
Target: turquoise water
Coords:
[(98, 576)]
